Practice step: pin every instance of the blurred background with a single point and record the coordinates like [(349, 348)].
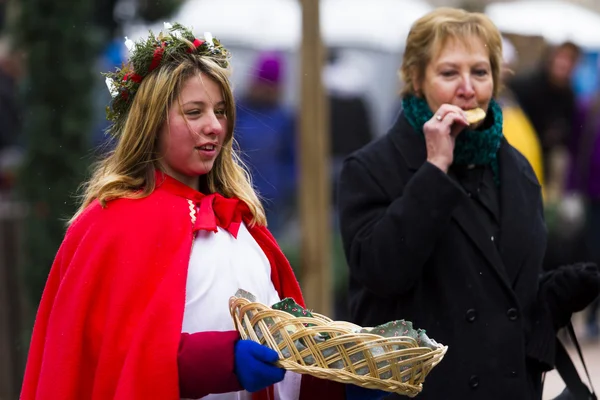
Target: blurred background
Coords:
[(314, 81)]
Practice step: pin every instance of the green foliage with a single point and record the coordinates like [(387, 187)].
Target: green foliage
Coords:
[(61, 45)]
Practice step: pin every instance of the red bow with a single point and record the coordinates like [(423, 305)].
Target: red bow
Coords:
[(210, 210), (216, 210), (157, 57), (197, 43)]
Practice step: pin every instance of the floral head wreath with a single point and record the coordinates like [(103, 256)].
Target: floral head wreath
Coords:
[(148, 55)]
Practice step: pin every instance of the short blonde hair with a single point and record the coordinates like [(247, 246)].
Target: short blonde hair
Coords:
[(129, 170), (430, 33)]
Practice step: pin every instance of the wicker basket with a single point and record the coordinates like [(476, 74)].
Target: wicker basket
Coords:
[(393, 364)]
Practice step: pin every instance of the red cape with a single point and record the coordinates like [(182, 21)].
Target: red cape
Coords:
[(109, 322)]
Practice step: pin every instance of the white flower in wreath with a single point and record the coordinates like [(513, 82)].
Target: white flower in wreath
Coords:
[(176, 34), (112, 88), (129, 44), (208, 38)]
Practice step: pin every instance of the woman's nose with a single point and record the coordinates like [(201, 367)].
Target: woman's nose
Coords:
[(213, 126), (466, 87)]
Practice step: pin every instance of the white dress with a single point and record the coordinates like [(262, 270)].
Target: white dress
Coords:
[(213, 279)]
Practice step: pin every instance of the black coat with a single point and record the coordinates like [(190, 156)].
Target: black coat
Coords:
[(416, 252)]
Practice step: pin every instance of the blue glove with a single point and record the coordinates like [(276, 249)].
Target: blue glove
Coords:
[(254, 366), (354, 392)]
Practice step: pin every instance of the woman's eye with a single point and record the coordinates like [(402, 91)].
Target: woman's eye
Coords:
[(220, 113), (481, 72), (448, 73), (192, 112)]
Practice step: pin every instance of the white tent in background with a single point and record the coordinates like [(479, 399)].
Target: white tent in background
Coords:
[(277, 24), (380, 24), (555, 20), (274, 24)]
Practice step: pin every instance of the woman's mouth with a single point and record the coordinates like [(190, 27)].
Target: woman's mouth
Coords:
[(207, 149)]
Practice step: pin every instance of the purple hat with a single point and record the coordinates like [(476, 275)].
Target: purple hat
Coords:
[(268, 68)]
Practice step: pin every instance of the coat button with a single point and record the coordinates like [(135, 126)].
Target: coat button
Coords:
[(512, 314), (474, 381), (513, 374), (471, 315)]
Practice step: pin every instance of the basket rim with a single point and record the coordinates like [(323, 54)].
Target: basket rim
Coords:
[(319, 323), (366, 381), (429, 357)]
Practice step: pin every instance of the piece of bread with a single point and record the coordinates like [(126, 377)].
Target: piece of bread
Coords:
[(475, 115)]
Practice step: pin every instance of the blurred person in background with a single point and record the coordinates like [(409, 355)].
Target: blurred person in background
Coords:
[(517, 128), (443, 223), (136, 304), (547, 97), (584, 183), (265, 131)]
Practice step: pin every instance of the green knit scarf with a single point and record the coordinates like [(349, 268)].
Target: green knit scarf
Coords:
[(473, 146)]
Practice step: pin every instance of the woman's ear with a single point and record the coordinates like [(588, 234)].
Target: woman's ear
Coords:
[(416, 82), (418, 91)]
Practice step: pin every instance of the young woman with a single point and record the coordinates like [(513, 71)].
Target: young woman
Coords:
[(136, 304)]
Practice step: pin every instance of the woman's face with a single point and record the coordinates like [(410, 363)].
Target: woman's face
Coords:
[(191, 138), (460, 74)]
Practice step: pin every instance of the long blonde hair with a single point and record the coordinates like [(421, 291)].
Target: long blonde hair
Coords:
[(128, 171)]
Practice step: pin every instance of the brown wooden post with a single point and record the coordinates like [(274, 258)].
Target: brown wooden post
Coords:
[(314, 187)]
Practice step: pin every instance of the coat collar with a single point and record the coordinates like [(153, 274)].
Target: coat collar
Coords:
[(519, 202), (173, 186)]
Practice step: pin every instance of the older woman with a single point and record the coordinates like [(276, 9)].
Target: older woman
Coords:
[(442, 223)]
